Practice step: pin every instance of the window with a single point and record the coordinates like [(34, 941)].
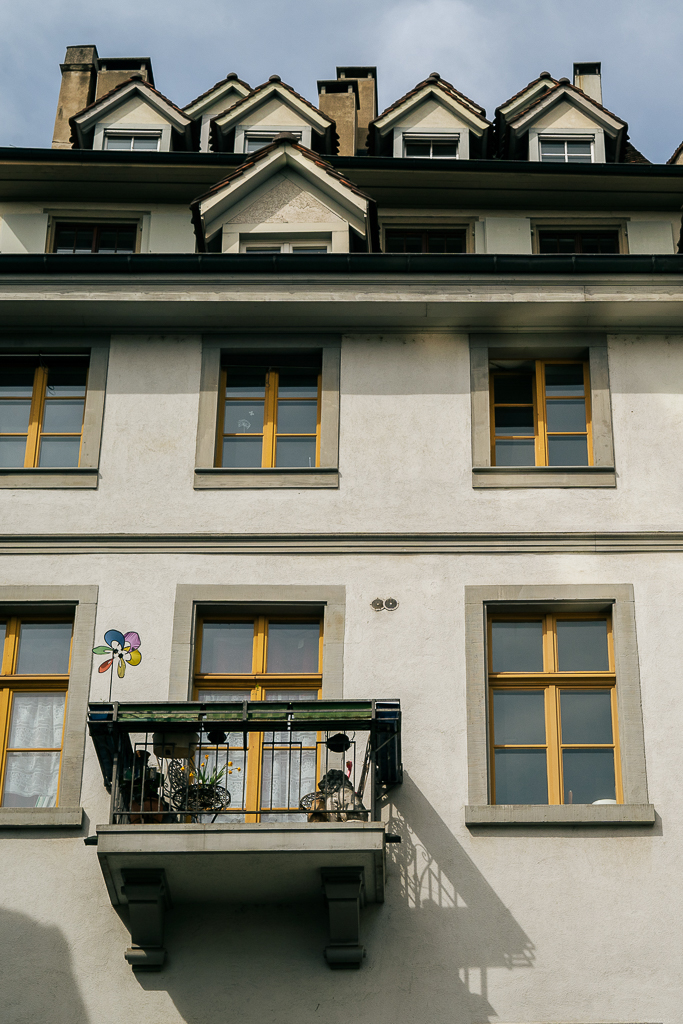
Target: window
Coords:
[(601, 242), (566, 151), (441, 147), (261, 657), (553, 710), (33, 690), (269, 415), (540, 413), (42, 402), (103, 238), (417, 240), (254, 141), (302, 247), (127, 141)]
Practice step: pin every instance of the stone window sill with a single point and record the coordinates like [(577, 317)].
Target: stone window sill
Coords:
[(40, 476), (563, 814), (41, 817), (217, 478), (543, 476)]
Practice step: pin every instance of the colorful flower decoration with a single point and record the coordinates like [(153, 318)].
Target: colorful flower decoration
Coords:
[(123, 648)]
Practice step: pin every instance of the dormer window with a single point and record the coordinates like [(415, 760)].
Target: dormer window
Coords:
[(302, 247), (567, 151), (254, 141), (434, 147), (132, 140)]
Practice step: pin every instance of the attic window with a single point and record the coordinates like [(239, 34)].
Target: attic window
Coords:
[(567, 151), (435, 147), (132, 140), (254, 141)]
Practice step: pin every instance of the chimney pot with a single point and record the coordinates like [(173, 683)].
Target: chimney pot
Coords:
[(588, 78)]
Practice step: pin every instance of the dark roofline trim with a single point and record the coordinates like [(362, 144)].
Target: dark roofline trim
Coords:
[(336, 264)]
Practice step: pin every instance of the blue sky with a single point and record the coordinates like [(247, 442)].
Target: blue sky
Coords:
[(488, 49)]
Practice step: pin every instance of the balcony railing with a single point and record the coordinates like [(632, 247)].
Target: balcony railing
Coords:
[(247, 761)]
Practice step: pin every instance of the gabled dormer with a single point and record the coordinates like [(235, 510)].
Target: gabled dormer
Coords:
[(284, 199), (215, 101), (562, 124), (520, 101), (432, 120), (133, 116), (274, 107)]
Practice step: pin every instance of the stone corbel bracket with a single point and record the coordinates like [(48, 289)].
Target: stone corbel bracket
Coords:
[(345, 892), (148, 898)]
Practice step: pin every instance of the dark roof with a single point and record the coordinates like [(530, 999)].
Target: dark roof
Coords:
[(672, 159), (231, 77), (275, 80), (437, 80), (574, 88), (117, 88), (545, 76), (634, 156)]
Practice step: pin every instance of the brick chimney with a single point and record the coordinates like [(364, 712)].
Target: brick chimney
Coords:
[(588, 78), (366, 77), (79, 80), (339, 100)]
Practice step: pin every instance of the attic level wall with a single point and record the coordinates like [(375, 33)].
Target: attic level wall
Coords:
[(432, 115), (565, 115)]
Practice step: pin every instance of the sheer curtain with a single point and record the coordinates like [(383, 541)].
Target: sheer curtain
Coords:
[(32, 773)]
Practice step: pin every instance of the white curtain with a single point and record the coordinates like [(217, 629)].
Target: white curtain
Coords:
[(32, 776)]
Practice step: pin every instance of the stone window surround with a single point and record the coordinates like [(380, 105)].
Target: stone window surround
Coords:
[(569, 597), (87, 473), (571, 222), (259, 598), (596, 136), (83, 602), (160, 131), (484, 347), (208, 476)]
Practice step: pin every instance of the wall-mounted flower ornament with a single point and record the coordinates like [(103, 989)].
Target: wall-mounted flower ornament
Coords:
[(123, 648)]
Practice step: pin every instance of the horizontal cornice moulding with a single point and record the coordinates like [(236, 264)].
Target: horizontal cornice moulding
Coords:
[(284, 264), (346, 544)]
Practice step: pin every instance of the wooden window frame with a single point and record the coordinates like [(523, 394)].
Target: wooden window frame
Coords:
[(259, 680), (590, 138), (35, 432), (577, 232), (425, 232), (96, 224), (540, 400), (551, 681)]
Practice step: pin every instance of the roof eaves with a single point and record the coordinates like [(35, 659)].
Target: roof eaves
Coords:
[(436, 82), (573, 88), (232, 77), (530, 85), (275, 80)]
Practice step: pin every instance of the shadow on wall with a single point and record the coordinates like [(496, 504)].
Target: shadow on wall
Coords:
[(36, 979), (430, 946)]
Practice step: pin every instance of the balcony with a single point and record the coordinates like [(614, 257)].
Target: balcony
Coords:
[(239, 802)]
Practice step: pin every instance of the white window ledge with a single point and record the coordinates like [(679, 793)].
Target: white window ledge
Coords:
[(41, 817), (560, 814)]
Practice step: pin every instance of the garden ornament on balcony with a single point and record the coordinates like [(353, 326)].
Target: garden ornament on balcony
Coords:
[(123, 648), (335, 800)]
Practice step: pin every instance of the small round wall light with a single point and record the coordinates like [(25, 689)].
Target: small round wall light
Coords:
[(377, 604), (391, 604)]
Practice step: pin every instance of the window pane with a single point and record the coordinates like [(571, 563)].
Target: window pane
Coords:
[(65, 239), (223, 695), (444, 149), (67, 379), (579, 152), (569, 414), (564, 379), (16, 381), (84, 240), (417, 149), (37, 720), (521, 777), (242, 453), (295, 451), (12, 451), (514, 420), (140, 142), (567, 451), (454, 241), (59, 451), (396, 242), (515, 453), (44, 648), (603, 243), (227, 647), (582, 646), (251, 384), (514, 388), (293, 647), (118, 142), (256, 143), (243, 418), (588, 776), (290, 771), (517, 646), (14, 416), (31, 780), (552, 152), (518, 716), (298, 384), (63, 417), (295, 417), (586, 716)]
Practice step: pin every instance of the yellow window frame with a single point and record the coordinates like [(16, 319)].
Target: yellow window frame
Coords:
[(35, 432), (270, 430), (540, 417), (259, 680), (551, 681), (11, 683)]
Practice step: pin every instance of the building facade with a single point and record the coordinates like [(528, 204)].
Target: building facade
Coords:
[(339, 579)]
